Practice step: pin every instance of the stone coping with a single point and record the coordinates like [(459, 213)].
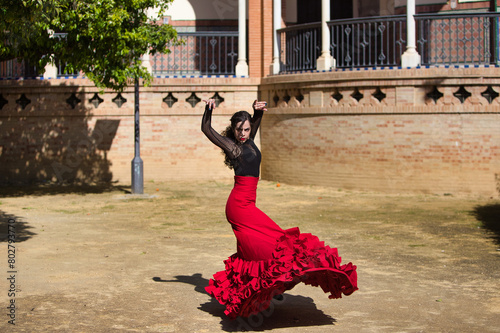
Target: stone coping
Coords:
[(390, 76)]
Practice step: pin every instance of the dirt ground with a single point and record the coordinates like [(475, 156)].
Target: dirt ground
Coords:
[(102, 260)]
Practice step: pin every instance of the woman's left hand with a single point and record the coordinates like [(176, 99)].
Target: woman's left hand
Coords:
[(210, 103), (260, 105)]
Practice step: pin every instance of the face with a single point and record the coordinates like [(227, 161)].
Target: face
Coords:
[(242, 131)]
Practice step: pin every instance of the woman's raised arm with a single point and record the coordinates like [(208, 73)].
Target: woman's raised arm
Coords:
[(258, 112), (225, 143)]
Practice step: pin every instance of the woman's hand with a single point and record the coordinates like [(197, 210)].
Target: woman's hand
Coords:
[(258, 105), (210, 103)]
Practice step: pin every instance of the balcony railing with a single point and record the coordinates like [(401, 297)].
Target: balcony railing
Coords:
[(359, 42), (381, 41), (16, 69), (300, 46), (13, 69), (368, 42), (203, 53), (458, 39)]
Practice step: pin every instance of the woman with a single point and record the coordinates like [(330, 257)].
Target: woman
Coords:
[(269, 260)]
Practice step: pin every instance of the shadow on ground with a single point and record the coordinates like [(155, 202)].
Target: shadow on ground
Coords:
[(489, 216), (55, 189), (291, 311), (11, 227)]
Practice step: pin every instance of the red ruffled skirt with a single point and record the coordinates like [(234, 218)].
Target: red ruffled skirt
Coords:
[(271, 260)]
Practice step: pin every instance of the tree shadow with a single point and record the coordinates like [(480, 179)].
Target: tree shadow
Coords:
[(291, 311), (489, 216), (12, 227), (15, 191), (53, 140)]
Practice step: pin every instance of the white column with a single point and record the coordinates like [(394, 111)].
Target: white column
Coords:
[(242, 66), (50, 70), (325, 60), (275, 67), (410, 58), (146, 63)]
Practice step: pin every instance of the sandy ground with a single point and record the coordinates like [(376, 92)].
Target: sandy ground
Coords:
[(102, 260)]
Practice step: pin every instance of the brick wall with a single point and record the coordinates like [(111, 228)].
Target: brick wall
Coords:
[(452, 153), (260, 37)]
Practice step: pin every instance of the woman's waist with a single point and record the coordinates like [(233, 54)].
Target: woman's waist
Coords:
[(245, 189), (249, 182)]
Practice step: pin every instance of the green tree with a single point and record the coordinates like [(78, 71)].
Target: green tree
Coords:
[(105, 39)]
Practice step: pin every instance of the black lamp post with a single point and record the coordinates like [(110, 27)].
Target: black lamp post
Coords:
[(137, 165)]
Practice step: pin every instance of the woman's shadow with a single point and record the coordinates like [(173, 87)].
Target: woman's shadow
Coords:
[(489, 216), (291, 311)]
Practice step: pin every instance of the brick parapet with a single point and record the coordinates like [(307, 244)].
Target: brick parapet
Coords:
[(387, 76), (317, 131)]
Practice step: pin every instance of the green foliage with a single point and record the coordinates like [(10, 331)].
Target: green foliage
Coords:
[(103, 38), (23, 27)]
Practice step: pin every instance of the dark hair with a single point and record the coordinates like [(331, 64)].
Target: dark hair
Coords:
[(240, 116)]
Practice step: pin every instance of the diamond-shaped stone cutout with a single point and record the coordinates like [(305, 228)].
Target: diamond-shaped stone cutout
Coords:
[(73, 100), (217, 99), (379, 95), (462, 94), (299, 97), (337, 96), (286, 98), (23, 101), (435, 94), (96, 100), (193, 99), (357, 95), (170, 100), (119, 100), (489, 94)]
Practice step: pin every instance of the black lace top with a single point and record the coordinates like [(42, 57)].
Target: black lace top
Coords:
[(246, 157)]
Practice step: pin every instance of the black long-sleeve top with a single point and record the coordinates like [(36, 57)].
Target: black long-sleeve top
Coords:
[(245, 157)]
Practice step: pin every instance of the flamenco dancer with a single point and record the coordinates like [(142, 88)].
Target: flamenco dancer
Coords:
[(269, 260)]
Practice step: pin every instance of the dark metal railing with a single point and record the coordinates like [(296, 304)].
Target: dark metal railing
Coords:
[(15, 68), (381, 41), (458, 38), (18, 68), (368, 42), (300, 47), (359, 42), (203, 53)]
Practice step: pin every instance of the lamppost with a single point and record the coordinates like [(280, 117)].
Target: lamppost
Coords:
[(137, 165)]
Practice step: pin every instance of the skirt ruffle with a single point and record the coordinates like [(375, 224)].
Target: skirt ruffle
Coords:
[(248, 287)]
